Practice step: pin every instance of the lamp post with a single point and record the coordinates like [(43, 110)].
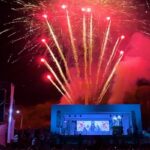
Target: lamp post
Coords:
[(18, 112)]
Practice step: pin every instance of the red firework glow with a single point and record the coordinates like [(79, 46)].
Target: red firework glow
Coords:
[(83, 58), (81, 38), (49, 77), (108, 18), (45, 16), (43, 40), (83, 9), (121, 52), (63, 6), (42, 60), (122, 37)]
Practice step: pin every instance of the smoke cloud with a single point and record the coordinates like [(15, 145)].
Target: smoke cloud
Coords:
[(135, 66)]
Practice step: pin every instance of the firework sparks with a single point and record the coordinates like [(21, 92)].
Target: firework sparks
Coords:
[(57, 87), (75, 54), (103, 49), (57, 78), (83, 23), (113, 54), (58, 46), (106, 85), (85, 58), (57, 64), (90, 46), (85, 47)]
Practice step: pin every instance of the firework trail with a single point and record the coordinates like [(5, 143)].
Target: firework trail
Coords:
[(86, 51), (57, 64), (90, 46), (57, 78), (85, 47), (106, 85), (58, 46), (110, 59), (57, 87), (75, 29), (85, 57), (73, 45), (103, 49)]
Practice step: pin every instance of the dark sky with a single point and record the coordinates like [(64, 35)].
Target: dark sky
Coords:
[(30, 85), (28, 77)]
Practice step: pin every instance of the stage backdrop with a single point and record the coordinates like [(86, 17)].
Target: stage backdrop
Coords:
[(95, 119)]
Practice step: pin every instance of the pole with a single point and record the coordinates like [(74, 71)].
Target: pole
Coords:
[(10, 117), (21, 122)]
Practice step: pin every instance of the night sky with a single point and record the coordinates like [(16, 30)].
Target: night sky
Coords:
[(25, 72), (28, 77)]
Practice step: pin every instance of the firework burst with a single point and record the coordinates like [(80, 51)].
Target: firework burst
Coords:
[(82, 37)]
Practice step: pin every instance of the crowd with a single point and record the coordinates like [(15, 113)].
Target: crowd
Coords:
[(41, 139)]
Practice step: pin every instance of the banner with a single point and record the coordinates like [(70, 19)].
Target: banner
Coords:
[(3, 129)]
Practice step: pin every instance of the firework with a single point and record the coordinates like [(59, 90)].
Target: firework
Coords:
[(76, 37), (57, 45), (106, 85), (57, 63), (56, 77), (73, 44), (110, 59), (57, 87), (104, 43), (87, 51), (90, 45), (128, 15)]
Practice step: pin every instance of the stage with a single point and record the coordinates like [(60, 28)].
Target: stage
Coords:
[(102, 120)]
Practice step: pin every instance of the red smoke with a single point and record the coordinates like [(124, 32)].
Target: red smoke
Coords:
[(135, 66)]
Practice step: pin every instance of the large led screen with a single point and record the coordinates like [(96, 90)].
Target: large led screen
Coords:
[(91, 127)]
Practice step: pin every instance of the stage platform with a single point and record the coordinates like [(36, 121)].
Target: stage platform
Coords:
[(102, 120)]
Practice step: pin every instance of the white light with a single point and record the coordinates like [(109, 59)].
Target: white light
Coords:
[(83, 9), (43, 40), (108, 18), (17, 111), (122, 37), (63, 6), (119, 117), (10, 110), (42, 60), (88, 9), (48, 77), (114, 118), (121, 52), (45, 16)]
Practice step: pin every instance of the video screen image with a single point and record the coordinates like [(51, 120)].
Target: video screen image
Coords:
[(93, 127)]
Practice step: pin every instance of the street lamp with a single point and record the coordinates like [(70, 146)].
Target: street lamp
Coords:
[(18, 112)]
